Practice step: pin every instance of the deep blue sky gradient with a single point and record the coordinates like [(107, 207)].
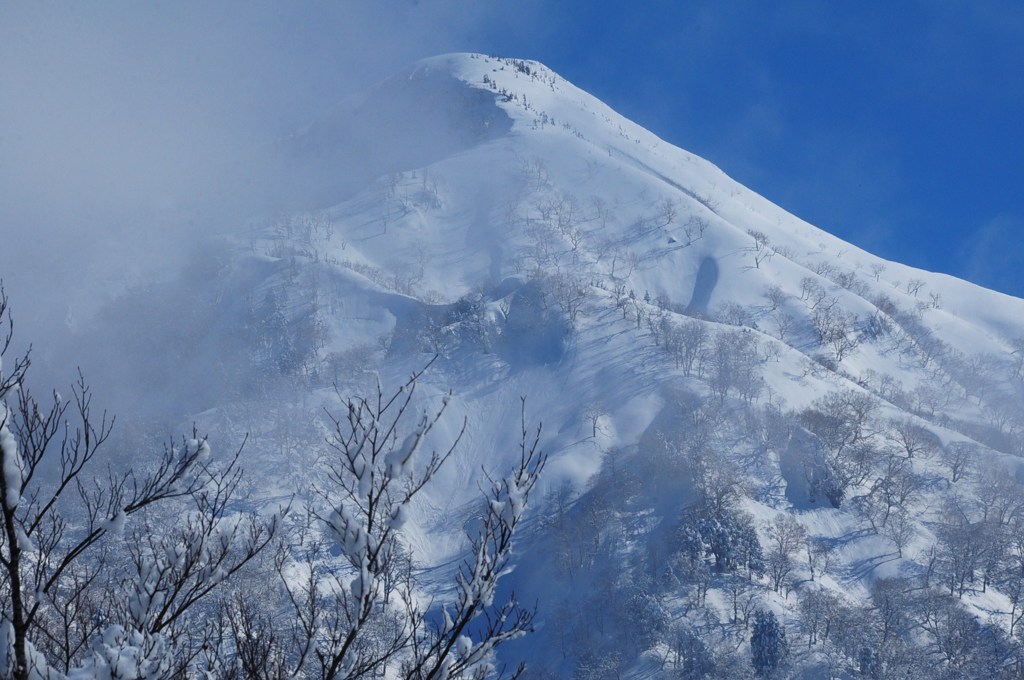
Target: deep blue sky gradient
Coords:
[(898, 126)]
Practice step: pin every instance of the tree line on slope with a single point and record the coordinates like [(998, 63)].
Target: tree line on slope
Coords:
[(661, 559)]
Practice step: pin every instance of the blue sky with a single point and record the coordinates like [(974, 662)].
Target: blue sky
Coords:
[(898, 126), (895, 125)]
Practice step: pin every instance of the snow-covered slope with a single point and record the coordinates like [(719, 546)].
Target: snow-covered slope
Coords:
[(568, 162), (489, 212)]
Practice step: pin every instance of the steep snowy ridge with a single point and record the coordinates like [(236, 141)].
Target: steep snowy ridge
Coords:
[(581, 142), (679, 336)]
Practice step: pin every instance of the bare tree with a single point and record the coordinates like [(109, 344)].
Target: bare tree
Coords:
[(911, 437), (694, 228), (961, 549), (734, 364), (893, 608), (784, 323), (1012, 577), (667, 212), (835, 329), (899, 529), (569, 292), (461, 646), (785, 540), (812, 292), (687, 343), (630, 261), (56, 514), (959, 458), (999, 495), (914, 286), (776, 297), (360, 616), (896, 486), (762, 247), (593, 413), (844, 424), (818, 609), (819, 554)]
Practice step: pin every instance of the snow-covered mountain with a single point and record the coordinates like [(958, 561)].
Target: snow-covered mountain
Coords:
[(709, 370)]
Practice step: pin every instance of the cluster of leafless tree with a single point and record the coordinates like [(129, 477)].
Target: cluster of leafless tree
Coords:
[(148, 568), (880, 467), (905, 631)]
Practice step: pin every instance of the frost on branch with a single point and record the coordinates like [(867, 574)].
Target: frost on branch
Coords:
[(11, 470), (351, 614), (62, 585), (120, 654), (462, 645), (361, 618), (11, 465)]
